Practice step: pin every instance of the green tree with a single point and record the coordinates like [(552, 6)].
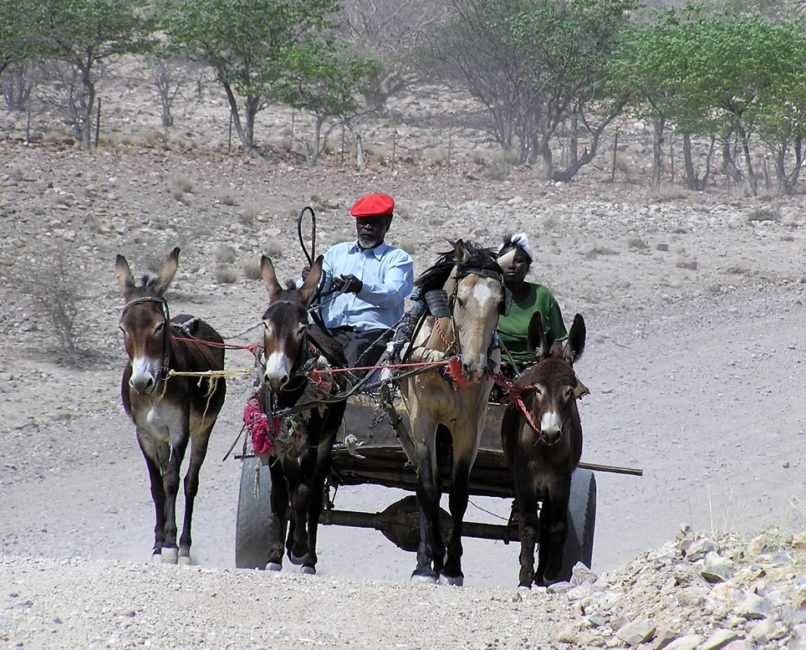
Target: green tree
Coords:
[(326, 83), (259, 50), (537, 65), (82, 34)]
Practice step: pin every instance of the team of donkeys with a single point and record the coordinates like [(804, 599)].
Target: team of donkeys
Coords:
[(173, 390)]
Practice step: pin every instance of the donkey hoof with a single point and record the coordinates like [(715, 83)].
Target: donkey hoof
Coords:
[(297, 559), (424, 578), (308, 570), (169, 555), (455, 581), (274, 566), (185, 560)]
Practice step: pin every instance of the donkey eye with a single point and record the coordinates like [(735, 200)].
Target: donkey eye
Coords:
[(301, 327), (568, 393), (267, 327), (159, 328)]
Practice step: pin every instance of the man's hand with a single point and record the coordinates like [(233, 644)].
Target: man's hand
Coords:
[(347, 284)]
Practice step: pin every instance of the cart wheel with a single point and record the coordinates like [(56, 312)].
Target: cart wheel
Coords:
[(581, 522), (253, 519)]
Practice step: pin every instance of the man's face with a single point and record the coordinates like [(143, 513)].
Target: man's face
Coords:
[(518, 268), (371, 230)]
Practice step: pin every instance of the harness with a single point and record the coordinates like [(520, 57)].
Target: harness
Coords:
[(166, 331)]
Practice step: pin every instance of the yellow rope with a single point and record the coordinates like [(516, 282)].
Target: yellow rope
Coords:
[(212, 374)]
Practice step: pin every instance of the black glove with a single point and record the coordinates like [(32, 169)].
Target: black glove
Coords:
[(347, 284)]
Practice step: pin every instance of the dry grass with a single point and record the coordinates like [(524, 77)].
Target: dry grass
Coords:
[(764, 214), (226, 197), (251, 268), (225, 275), (248, 215), (225, 254), (179, 185), (636, 243), (274, 249), (667, 192)]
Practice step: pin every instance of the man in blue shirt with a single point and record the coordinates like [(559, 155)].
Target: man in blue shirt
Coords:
[(370, 280)]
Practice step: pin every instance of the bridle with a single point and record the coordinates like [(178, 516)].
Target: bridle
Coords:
[(166, 330), (503, 307)]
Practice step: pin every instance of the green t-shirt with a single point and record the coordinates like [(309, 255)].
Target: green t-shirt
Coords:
[(513, 328)]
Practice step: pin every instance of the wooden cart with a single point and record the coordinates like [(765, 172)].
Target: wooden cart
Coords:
[(383, 461)]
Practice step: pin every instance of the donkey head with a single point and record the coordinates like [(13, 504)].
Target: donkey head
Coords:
[(477, 301), (285, 321), (552, 380), (145, 322)]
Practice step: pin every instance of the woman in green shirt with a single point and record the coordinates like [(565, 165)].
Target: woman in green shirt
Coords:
[(515, 259)]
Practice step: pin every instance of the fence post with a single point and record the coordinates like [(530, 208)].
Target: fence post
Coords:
[(97, 122), (615, 149)]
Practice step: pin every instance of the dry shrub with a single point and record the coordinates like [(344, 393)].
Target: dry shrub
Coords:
[(764, 214), (225, 275), (225, 254), (501, 164), (637, 243), (226, 197), (251, 268), (179, 184), (377, 152), (152, 138), (248, 215), (274, 249), (668, 192), (55, 290)]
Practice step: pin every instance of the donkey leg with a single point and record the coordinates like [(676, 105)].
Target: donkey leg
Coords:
[(298, 547), (527, 531), (158, 497), (198, 452), (278, 502), (457, 503), (556, 530), (314, 511), (428, 506), (170, 483)]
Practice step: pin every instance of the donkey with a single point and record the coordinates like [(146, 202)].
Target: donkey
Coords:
[(542, 443), (449, 412), (303, 442), (168, 411)]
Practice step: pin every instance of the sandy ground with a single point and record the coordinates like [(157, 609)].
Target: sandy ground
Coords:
[(695, 357)]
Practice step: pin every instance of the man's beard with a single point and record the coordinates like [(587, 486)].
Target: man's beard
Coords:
[(369, 241)]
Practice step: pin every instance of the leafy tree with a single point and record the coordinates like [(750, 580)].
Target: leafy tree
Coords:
[(324, 82), (258, 50), (81, 34), (536, 65)]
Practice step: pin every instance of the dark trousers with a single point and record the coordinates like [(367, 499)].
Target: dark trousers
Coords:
[(362, 348)]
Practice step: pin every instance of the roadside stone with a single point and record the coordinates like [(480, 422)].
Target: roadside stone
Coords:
[(716, 568), (719, 639), (753, 607), (636, 632), (688, 642)]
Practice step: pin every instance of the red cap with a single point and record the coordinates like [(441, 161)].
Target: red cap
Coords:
[(373, 205)]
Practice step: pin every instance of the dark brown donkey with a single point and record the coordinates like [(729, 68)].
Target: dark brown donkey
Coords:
[(542, 441), (301, 442), (168, 412)]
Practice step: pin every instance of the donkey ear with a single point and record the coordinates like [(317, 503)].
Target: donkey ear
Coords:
[(536, 339), (308, 288), (460, 253), (575, 344), (269, 278), (167, 273), (124, 275)]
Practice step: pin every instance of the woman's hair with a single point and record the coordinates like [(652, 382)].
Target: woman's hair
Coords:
[(511, 244)]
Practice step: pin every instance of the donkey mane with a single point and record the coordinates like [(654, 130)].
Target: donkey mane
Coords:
[(438, 273)]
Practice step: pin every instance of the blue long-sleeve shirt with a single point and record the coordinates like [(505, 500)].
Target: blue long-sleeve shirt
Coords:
[(388, 276)]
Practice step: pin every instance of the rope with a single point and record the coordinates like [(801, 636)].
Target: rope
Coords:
[(211, 374), (252, 347)]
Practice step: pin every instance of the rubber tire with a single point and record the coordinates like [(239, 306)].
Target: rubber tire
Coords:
[(253, 518), (581, 523)]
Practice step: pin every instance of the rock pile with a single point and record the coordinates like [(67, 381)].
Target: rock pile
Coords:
[(697, 592)]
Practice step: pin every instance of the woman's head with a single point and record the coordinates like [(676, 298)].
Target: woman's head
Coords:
[(515, 257)]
